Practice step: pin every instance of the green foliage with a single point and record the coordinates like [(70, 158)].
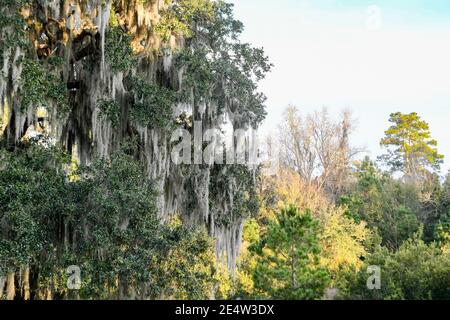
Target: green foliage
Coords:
[(181, 16), (417, 271), (39, 87), (288, 258), (113, 17), (111, 110), (388, 206), (118, 51), (12, 26), (435, 201), (251, 232), (413, 148), (104, 221), (442, 231), (123, 237), (31, 192), (152, 105), (344, 243), (198, 75), (118, 215), (188, 270), (232, 71), (218, 68)]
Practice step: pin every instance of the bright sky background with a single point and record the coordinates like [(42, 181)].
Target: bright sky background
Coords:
[(336, 53)]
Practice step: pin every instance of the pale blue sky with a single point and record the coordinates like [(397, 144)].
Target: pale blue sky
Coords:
[(374, 57)]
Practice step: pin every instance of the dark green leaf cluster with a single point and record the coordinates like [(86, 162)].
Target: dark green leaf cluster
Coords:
[(153, 105), (32, 191), (416, 271), (386, 205), (13, 31), (118, 51), (111, 110), (39, 87)]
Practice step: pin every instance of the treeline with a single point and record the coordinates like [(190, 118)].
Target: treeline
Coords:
[(333, 227)]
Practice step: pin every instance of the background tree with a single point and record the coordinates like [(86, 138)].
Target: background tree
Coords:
[(434, 202), (288, 258), (442, 232), (442, 228), (416, 271), (344, 244), (411, 149), (342, 240), (317, 147), (387, 206)]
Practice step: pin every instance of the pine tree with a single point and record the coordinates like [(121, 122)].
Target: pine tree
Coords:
[(411, 149), (288, 258)]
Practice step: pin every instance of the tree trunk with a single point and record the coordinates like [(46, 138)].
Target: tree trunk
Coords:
[(48, 294), (11, 286), (123, 287), (293, 278), (26, 283), (2, 286), (293, 275)]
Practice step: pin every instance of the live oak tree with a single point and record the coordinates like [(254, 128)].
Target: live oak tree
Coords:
[(103, 220), (104, 216), (411, 149)]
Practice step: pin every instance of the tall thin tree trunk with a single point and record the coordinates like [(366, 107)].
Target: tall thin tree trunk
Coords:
[(11, 286), (293, 275)]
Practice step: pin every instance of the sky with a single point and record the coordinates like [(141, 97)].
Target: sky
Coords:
[(373, 57)]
